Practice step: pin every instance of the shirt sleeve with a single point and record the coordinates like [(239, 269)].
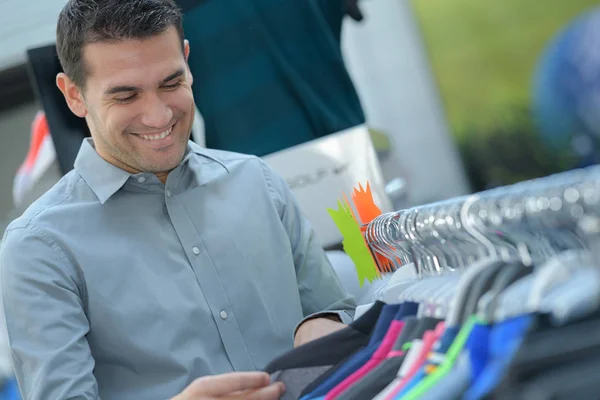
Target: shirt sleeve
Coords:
[(44, 314), (320, 290)]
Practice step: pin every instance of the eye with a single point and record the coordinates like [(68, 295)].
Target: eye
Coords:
[(126, 99), (173, 86)]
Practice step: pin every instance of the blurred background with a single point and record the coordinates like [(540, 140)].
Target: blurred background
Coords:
[(458, 95)]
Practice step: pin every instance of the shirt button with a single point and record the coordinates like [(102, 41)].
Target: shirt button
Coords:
[(223, 314), (196, 250), (141, 179), (168, 193)]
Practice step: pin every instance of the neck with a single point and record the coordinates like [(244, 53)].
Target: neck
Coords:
[(162, 176)]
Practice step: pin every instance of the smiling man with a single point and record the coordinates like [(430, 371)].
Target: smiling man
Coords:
[(155, 262)]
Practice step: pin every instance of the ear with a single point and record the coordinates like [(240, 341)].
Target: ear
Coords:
[(186, 54), (72, 94)]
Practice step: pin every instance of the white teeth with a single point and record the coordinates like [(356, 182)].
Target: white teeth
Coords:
[(157, 136)]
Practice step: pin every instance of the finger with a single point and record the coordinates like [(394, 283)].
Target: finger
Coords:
[(271, 392), (220, 385)]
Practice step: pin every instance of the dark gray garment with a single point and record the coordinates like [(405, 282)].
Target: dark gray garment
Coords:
[(296, 379), (572, 381)]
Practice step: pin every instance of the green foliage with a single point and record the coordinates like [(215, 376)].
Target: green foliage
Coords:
[(510, 151), (484, 52)]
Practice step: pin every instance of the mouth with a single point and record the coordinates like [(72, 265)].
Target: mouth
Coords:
[(156, 136)]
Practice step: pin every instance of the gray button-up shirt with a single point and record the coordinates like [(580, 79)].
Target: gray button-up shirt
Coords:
[(116, 286)]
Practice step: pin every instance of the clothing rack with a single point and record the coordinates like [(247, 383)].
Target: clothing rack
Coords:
[(530, 221), (505, 304)]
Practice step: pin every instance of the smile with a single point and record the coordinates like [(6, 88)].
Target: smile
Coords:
[(157, 136)]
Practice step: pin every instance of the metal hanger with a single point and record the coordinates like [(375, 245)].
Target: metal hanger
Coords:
[(510, 231)]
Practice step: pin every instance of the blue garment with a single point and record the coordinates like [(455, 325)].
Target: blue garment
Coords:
[(478, 347), (441, 349), (363, 355), (10, 390), (504, 342), (386, 317)]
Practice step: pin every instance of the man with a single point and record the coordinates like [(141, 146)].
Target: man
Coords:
[(155, 261)]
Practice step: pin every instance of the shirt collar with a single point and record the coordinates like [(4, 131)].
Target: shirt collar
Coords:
[(102, 177), (106, 179)]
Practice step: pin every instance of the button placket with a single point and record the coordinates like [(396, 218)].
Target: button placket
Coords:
[(211, 286)]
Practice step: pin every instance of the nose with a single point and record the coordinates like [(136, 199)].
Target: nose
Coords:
[(157, 114)]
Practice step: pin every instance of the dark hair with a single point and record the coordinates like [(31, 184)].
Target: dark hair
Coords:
[(90, 21)]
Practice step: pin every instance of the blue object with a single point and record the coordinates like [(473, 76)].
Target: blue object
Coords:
[(10, 390), (505, 339), (478, 346), (566, 88)]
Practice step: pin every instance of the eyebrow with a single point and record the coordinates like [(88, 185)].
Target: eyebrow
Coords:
[(123, 88), (174, 75)]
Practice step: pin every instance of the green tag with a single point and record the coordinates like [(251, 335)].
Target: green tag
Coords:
[(354, 242)]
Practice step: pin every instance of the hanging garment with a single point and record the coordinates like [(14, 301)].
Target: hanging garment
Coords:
[(378, 356), (301, 366), (504, 342), (411, 365), (547, 349), (375, 380), (387, 316), (275, 77), (362, 357)]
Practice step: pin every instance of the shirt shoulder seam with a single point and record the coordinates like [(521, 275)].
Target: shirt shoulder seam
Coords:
[(53, 244), (269, 180), (30, 220)]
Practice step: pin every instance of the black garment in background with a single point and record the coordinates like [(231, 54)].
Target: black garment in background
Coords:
[(548, 350), (382, 375), (579, 380)]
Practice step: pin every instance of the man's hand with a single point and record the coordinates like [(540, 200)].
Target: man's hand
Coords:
[(233, 386), (316, 328)]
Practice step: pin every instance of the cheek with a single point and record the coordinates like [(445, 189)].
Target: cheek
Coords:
[(182, 100), (120, 120)]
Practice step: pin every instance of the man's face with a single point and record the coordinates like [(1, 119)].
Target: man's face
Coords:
[(137, 102)]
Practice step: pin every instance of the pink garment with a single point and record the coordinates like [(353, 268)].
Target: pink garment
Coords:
[(379, 355), (429, 340)]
